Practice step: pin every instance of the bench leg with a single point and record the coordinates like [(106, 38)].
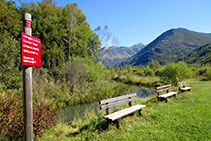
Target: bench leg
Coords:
[(107, 123), (139, 112), (158, 99), (175, 95), (166, 100), (117, 123)]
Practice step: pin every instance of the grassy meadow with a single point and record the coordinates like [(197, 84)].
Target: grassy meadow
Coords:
[(186, 117)]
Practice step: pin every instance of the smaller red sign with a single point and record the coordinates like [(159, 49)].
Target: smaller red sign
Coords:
[(28, 24), (30, 50)]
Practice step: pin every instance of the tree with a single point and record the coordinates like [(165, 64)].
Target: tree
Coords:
[(72, 22), (176, 72), (10, 19), (10, 76), (94, 45), (63, 31), (105, 37)]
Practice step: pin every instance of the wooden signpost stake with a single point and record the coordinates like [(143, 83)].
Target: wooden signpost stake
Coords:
[(27, 87)]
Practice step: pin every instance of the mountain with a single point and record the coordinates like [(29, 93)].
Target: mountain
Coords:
[(112, 56), (200, 55), (169, 46)]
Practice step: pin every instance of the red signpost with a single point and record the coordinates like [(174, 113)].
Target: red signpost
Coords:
[(30, 56), (30, 50)]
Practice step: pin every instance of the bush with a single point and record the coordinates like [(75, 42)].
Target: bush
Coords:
[(10, 76), (175, 72), (132, 79), (11, 116), (115, 76), (207, 74), (79, 71), (154, 65), (123, 78), (148, 71)]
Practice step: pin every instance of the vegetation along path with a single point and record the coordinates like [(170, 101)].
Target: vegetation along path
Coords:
[(185, 118)]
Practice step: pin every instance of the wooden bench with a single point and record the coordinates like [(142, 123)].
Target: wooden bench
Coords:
[(113, 102), (167, 94), (182, 87)]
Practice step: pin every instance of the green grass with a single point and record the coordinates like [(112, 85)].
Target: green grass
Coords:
[(188, 117)]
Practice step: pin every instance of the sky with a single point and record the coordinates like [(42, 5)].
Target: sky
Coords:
[(141, 21)]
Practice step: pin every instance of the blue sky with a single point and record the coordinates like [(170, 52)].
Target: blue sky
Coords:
[(141, 21)]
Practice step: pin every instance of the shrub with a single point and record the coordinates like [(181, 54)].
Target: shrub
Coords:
[(10, 76), (123, 78), (140, 71), (148, 71), (115, 76), (175, 72), (207, 75), (154, 65), (79, 71), (132, 79), (11, 117)]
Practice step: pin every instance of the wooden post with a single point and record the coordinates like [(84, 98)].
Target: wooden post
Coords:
[(139, 112), (107, 111), (27, 87), (167, 91), (117, 123), (130, 103)]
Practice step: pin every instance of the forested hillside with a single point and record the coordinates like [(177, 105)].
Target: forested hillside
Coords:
[(200, 55), (169, 46)]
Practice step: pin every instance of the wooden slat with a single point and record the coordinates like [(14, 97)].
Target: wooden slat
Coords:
[(124, 112), (163, 87), (119, 102), (168, 94), (185, 89), (117, 98), (161, 90)]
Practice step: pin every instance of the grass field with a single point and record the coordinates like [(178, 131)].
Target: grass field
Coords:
[(188, 117)]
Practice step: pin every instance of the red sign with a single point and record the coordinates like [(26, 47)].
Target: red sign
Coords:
[(27, 24), (30, 50)]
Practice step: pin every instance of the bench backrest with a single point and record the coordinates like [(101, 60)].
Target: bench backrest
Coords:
[(182, 84), (163, 88), (111, 102)]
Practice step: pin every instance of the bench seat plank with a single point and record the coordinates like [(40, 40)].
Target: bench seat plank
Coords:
[(117, 98), (185, 89), (168, 94), (124, 112)]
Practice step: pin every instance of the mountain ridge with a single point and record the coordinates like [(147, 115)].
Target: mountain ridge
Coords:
[(169, 46), (112, 56)]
